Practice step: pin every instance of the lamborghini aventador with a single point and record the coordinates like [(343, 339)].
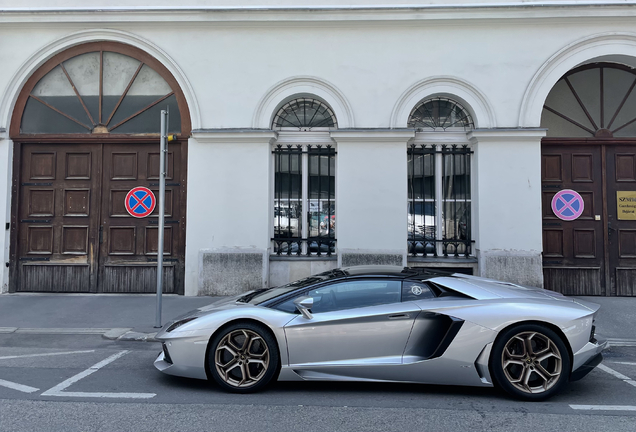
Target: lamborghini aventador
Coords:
[(381, 323)]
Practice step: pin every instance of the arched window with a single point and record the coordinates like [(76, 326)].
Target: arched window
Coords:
[(595, 100), (100, 88), (440, 113), (304, 179), (304, 114), (439, 180)]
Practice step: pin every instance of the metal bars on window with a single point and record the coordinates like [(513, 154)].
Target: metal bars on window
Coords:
[(439, 200), (304, 200)]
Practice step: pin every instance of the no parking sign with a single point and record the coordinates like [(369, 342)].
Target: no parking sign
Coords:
[(567, 205), (140, 202)]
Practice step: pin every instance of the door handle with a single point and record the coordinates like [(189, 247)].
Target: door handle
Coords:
[(398, 316)]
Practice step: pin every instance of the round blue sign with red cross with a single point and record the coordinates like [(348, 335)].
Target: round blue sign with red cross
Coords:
[(567, 205), (140, 202)]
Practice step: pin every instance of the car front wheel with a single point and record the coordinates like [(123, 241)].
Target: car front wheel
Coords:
[(243, 358), (530, 362)]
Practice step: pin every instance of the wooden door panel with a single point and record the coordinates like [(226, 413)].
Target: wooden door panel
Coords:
[(129, 249), (625, 167), (41, 202), (122, 278), (573, 251), (621, 176), (58, 218), (582, 168), (574, 280)]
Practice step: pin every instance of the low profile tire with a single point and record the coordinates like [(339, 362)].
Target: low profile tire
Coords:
[(243, 358), (530, 362)]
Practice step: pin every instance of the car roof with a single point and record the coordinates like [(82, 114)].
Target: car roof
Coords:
[(389, 271)]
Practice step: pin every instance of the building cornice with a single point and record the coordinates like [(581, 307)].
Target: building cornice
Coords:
[(506, 135), (373, 135), (234, 136), (336, 13)]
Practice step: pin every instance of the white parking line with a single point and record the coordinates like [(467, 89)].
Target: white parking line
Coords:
[(604, 407), (58, 390), (618, 375), (18, 387), (626, 363), (45, 354)]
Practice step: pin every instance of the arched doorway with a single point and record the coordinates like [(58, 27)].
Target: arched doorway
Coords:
[(590, 148), (86, 131)]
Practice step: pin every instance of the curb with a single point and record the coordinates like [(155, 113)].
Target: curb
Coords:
[(137, 336), (618, 342)]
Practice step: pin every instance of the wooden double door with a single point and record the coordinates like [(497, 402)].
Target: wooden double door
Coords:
[(71, 230), (594, 254)]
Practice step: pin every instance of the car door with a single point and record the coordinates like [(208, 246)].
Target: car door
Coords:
[(355, 322)]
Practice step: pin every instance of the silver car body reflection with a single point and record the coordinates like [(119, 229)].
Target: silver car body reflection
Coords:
[(400, 341)]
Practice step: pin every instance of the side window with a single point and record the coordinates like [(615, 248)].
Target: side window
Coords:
[(355, 294), (416, 291), (349, 295)]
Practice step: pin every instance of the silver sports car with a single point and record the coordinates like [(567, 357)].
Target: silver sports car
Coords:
[(380, 323)]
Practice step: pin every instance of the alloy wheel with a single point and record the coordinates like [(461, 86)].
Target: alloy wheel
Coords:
[(531, 362), (241, 358)]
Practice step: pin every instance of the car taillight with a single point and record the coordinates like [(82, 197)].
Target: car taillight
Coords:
[(592, 334)]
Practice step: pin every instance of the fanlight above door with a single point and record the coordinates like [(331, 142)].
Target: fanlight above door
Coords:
[(100, 92), (595, 100)]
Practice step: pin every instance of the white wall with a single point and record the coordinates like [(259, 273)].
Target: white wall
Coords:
[(231, 62), (507, 200), (11, 4), (371, 191), (228, 196)]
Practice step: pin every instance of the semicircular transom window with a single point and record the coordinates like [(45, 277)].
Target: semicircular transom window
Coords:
[(304, 114), (595, 100), (100, 92), (440, 114)]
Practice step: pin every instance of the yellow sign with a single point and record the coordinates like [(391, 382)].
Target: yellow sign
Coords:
[(626, 205)]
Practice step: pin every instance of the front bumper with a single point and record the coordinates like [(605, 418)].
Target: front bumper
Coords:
[(183, 357)]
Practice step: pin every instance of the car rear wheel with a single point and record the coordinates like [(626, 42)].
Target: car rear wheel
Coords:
[(530, 362), (243, 358)]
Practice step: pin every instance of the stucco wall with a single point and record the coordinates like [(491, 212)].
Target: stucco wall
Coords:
[(499, 61)]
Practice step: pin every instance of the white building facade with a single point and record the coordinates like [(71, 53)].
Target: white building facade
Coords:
[(311, 137)]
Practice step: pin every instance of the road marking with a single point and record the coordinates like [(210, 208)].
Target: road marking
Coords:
[(618, 375), (70, 331), (58, 390), (46, 354), (626, 363), (18, 387), (604, 407)]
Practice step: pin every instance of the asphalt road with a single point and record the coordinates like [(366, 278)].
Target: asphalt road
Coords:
[(87, 383)]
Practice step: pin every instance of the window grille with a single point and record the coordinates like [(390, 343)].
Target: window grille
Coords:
[(440, 113), (304, 200), (304, 114), (439, 200)]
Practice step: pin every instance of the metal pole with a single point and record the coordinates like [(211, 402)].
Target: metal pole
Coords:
[(163, 150)]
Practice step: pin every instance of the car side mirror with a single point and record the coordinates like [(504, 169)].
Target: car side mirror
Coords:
[(304, 305)]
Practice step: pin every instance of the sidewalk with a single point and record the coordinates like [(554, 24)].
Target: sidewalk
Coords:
[(133, 315), (91, 313)]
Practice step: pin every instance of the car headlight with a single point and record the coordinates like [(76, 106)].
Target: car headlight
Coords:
[(179, 323)]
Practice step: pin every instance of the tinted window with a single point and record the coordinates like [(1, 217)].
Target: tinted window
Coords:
[(349, 295), (416, 291)]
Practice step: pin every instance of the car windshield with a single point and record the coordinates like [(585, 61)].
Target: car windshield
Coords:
[(262, 295)]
